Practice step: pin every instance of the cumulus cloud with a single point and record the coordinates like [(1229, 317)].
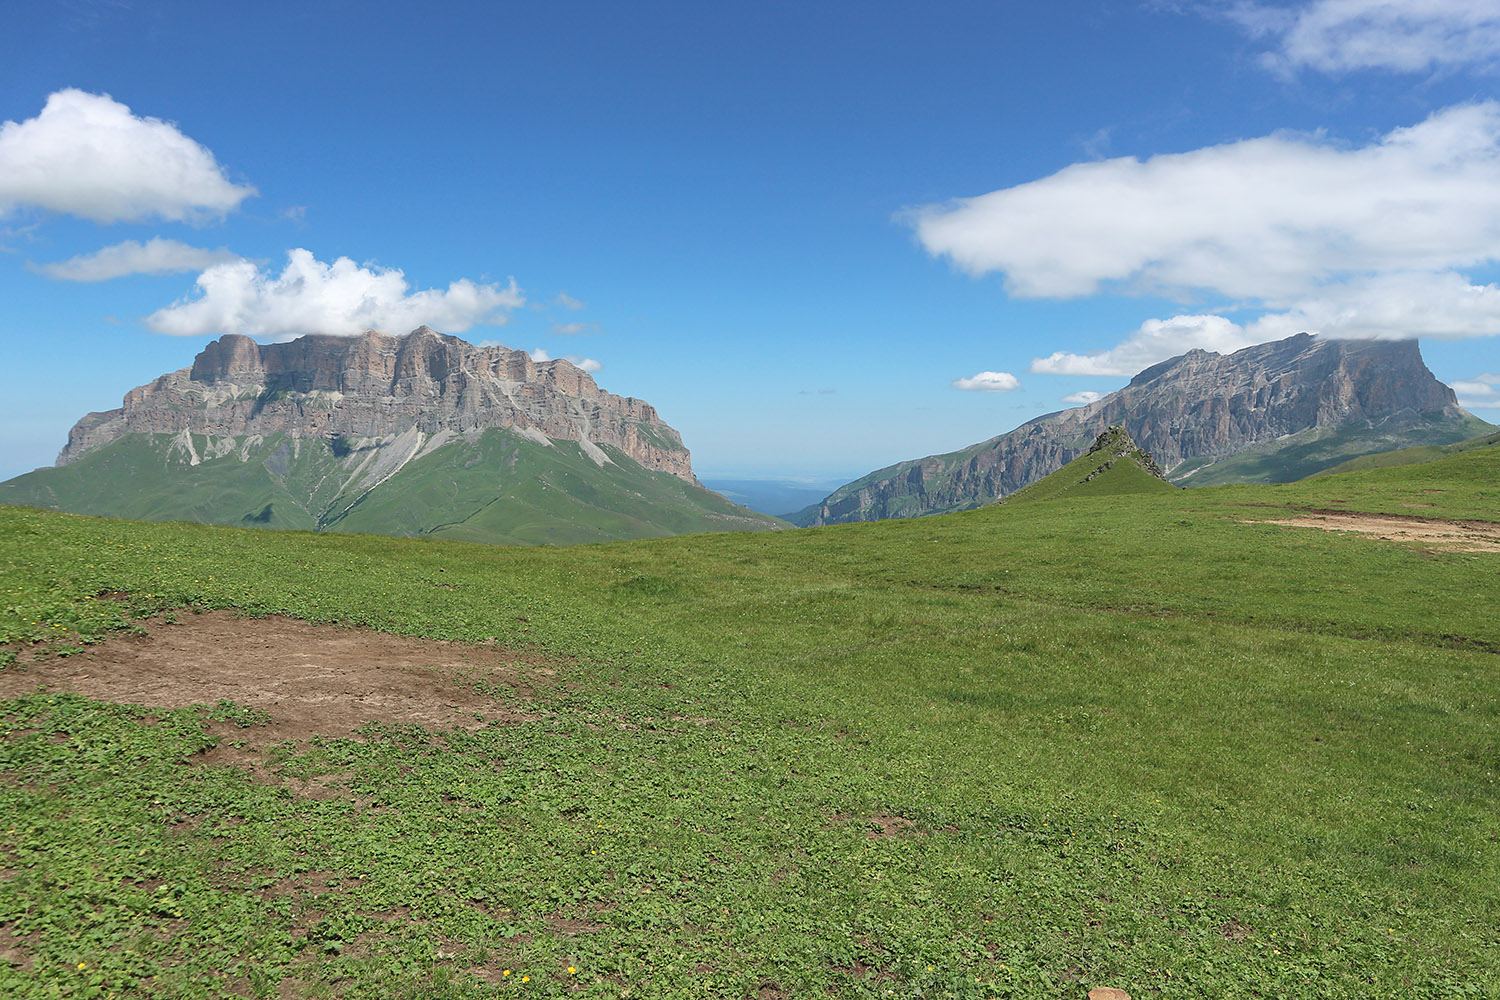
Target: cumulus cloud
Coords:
[(582, 363), (88, 155), (1084, 397), (1445, 306), (1156, 340), (155, 256), (988, 382), (1276, 216), (1478, 392), (1403, 36), (342, 298)]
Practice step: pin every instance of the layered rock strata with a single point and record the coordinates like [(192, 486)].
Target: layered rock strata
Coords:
[(1187, 412), (375, 386)]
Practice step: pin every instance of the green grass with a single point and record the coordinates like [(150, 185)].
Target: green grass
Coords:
[(1408, 456), (1312, 451), (1135, 743), (500, 488), (1096, 474), (1464, 484)]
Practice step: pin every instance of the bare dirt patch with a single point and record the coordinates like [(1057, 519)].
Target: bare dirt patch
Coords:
[(1434, 533), (321, 680), (888, 825)]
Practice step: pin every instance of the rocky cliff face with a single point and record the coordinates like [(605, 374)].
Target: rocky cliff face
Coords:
[(1187, 412), (426, 386)]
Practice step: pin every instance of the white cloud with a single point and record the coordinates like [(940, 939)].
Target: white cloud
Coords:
[(155, 256), (1273, 217), (1445, 306), (89, 156), (567, 301), (340, 298), (574, 329), (1084, 397), (1156, 340), (584, 364), (1404, 36), (988, 382), (1479, 392)]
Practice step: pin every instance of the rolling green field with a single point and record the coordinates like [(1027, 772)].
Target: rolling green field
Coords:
[(499, 487), (1137, 741), (1409, 456)]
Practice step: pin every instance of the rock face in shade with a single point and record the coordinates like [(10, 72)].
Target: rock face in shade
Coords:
[(1269, 413), (375, 386)]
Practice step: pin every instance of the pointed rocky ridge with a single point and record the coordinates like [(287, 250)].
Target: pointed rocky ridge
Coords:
[(1114, 465)]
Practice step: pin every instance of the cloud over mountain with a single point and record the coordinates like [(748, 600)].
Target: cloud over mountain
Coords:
[(342, 298), (88, 155)]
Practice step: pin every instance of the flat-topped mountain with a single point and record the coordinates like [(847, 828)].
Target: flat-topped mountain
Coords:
[(375, 386), (1269, 413), (424, 434)]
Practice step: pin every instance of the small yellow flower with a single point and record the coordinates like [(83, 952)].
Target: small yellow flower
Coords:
[(571, 970), (525, 979), (505, 973), (83, 965)]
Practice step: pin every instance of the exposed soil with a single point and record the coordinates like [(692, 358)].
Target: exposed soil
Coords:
[(1434, 533), (311, 679)]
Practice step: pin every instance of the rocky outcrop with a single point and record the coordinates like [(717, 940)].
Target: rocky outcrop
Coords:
[(1116, 444), (379, 387), (1187, 412)]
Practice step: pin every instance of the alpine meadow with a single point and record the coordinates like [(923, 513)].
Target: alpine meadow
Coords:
[(1144, 739), (763, 501)]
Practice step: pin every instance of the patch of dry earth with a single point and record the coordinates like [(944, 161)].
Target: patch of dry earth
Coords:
[(1436, 533), (321, 680)]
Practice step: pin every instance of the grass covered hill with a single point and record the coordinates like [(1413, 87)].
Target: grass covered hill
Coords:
[(1115, 465), (501, 486), (1409, 456), (1147, 741)]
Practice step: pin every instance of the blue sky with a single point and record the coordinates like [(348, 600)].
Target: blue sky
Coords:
[(820, 238)]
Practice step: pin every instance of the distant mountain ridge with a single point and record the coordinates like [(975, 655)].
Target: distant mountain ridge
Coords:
[(424, 434), (1268, 413)]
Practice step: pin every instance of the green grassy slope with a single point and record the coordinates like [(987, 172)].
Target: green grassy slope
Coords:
[(501, 488), (507, 489), (1100, 473), (140, 477), (1408, 456), (1312, 451), (1464, 485), (1138, 743)]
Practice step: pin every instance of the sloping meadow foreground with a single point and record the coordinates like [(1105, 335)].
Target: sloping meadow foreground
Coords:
[(1146, 742)]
